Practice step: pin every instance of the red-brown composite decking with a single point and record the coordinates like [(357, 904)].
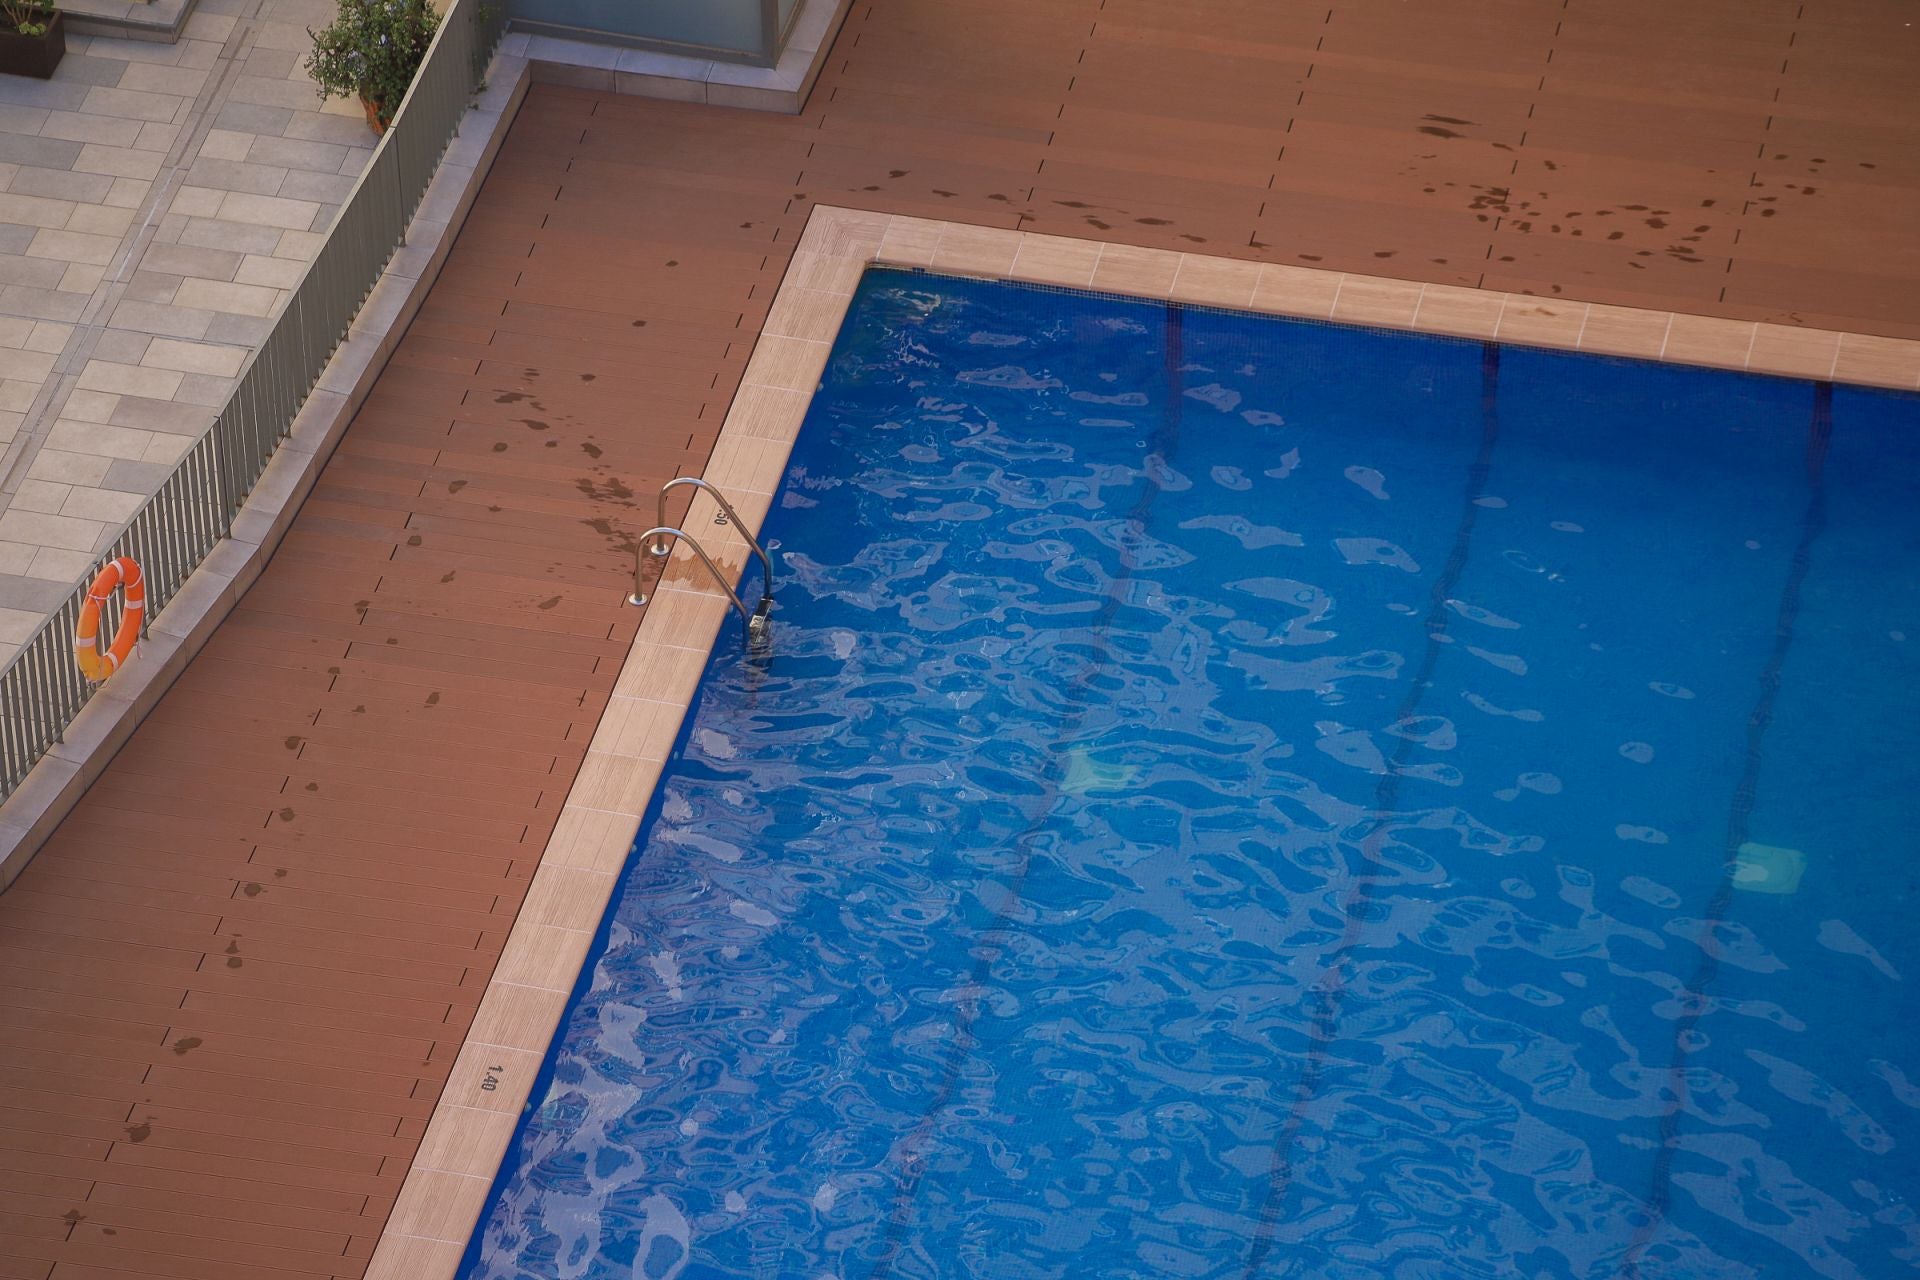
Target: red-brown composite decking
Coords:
[(232, 983)]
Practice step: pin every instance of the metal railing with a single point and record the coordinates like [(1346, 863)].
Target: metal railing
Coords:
[(658, 542), (41, 690)]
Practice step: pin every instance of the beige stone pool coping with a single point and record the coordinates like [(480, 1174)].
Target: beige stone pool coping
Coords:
[(447, 1187)]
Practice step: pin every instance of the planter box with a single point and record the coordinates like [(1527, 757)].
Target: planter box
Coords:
[(34, 56)]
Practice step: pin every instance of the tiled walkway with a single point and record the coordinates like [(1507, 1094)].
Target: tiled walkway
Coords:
[(156, 203), (236, 977)]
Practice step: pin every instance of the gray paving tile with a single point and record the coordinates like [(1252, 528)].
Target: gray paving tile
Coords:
[(249, 331), (67, 468), (225, 144), (299, 244), (160, 415), (248, 117), (86, 69), (56, 95), (41, 304), (77, 439), (131, 104), (127, 379), (123, 346), (44, 153), (242, 237), (298, 153), (152, 317), (76, 126), (279, 273), (295, 95), (69, 567), (65, 532), (311, 125), (266, 211), (40, 495), (286, 34), (28, 120), (34, 211), (133, 50), (235, 175), (305, 12), (39, 273), (100, 219), (15, 238), (273, 63), (198, 53), (194, 357), (92, 504), (158, 137), (61, 184), (321, 188), (95, 248), (148, 77), (35, 595), (152, 286), (118, 161), (207, 27), (87, 406), (240, 299), (25, 366), (197, 202), (136, 477), (191, 260), (204, 389), (127, 193)]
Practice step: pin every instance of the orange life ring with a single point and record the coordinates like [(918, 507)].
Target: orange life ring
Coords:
[(125, 573)]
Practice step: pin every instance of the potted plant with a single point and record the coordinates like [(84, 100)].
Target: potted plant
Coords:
[(371, 50), (32, 39)]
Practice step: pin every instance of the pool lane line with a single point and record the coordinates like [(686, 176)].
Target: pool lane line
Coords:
[(1332, 987), (1163, 444), (1739, 815)]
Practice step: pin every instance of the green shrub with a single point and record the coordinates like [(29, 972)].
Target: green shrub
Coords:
[(28, 17), (372, 51)]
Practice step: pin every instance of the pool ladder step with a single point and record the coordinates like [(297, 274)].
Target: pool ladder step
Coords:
[(657, 543)]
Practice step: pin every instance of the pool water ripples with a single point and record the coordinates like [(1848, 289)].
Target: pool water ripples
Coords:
[(1237, 797)]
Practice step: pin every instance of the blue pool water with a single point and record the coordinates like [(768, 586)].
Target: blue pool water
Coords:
[(1235, 798)]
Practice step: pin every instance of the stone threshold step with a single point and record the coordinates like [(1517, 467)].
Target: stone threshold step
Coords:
[(157, 20)]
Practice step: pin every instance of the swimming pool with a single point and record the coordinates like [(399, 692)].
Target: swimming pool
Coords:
[(1241, 797)]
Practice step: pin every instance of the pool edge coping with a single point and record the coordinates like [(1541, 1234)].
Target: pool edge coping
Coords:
[(439, 1204)]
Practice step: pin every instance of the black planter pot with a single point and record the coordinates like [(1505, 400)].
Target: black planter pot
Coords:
[(34, 56)]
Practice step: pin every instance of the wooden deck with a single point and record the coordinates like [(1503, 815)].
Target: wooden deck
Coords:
[(235, 979)]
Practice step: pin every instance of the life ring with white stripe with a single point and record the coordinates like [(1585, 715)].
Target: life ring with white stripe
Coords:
[(122, 573)]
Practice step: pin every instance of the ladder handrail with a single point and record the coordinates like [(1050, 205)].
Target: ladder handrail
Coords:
[(707, 486), (663, 531)]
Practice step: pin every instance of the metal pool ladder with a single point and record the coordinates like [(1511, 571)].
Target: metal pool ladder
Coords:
[(658, 543)]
